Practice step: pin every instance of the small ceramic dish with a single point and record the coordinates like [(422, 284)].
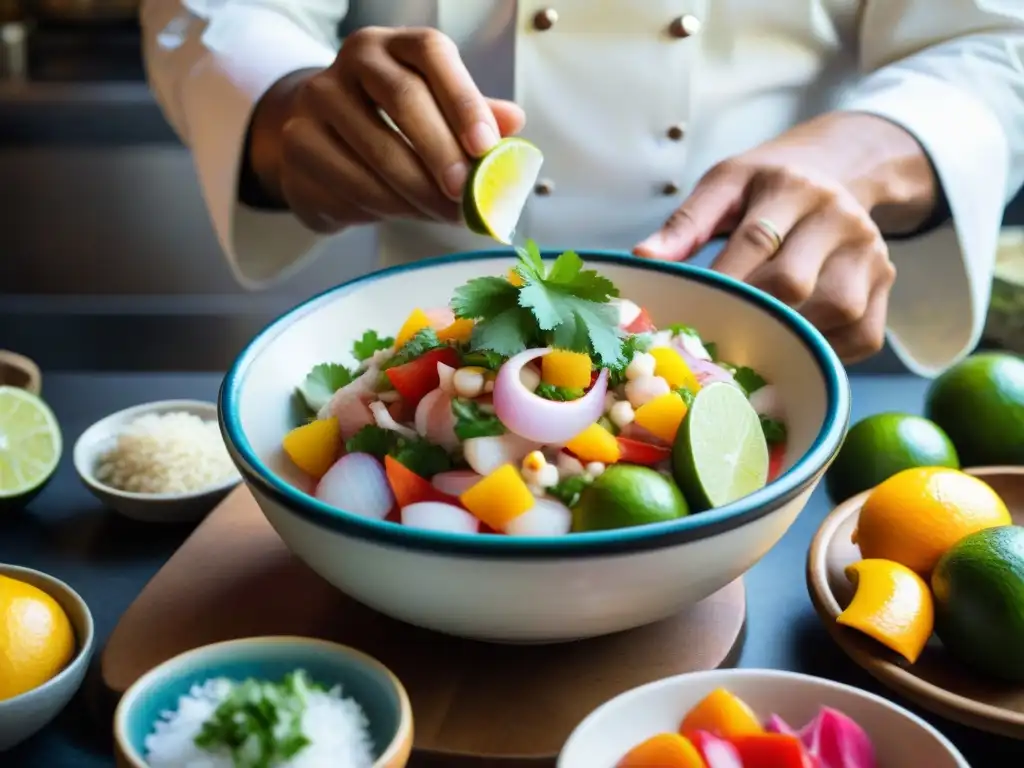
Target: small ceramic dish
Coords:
[(609, 732), (936, 682), (22, 716), (19, 371), (147, 507), (367, 681)]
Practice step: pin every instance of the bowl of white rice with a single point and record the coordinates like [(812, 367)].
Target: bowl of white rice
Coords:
[(279, 702), (158, 462)]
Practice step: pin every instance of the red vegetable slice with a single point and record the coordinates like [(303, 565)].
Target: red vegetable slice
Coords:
[(837, 741), (776, 456), (410, 488), (771, 750), (638, 452), (642, 323), (717, 752), (413, 380)]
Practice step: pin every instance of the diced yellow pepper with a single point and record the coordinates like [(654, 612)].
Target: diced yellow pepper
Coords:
[(499, 498), (314, 447), (671, 366), (460, 330), (514, 278), (595, 443), (562, 368), (662, 416), (415, 323)]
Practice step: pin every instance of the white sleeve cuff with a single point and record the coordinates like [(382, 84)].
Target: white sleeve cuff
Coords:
[(938, 305), (249, 49)]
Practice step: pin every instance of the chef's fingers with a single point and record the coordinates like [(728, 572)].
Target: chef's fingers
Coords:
[(344, 106), (317, 160), (845, 286), (865, 337), (316, 207), (436, 57), (510, 116)]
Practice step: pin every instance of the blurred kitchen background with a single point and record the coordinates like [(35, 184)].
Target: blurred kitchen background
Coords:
[(103, 233)]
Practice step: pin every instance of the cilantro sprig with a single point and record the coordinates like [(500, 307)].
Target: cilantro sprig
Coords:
[(364, 348), (322, 382), (564, 306), (420, 455)]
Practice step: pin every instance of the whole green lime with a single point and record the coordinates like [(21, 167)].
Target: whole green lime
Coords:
[(980, 404), (627, 495), (878, 447), (979, 601)]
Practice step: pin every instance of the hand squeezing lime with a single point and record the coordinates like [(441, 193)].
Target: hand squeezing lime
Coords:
[(498, 187), (30, 445)]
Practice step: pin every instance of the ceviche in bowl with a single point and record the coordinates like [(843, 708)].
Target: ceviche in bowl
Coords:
[(491, 445)]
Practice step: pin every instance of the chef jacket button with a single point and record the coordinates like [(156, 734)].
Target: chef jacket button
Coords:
[(545, 19), (544, 187), (684, 26), (676, 132), (670, 188)]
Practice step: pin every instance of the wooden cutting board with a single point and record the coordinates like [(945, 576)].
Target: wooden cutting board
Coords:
[(474, 703)]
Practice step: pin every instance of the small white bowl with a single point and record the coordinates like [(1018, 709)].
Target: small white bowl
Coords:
[(24, 715), (147, 507), (611, 730)]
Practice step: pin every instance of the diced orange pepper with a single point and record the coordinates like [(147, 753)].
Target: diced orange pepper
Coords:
[(662, 416), (595, 443), (413, 324), (499, 498), (723, 714), (514, 278), (460, 330), (666, 750), (562, 368), (314, 447), (671, 366)]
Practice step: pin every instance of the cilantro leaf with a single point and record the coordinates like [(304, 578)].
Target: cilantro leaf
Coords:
[(749, 379), (421, 343), (471, 421), (373, 440), (585, 283), (507, 334), (687, 395), (483, 358), (484, 297), (531, 265), (637, 342), (421, 456), (322, 382), (559, 394), (774, 430), (568, 490), (679, 329), (370, 343)]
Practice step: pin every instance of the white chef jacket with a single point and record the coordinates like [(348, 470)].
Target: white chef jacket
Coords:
[(631, 102)]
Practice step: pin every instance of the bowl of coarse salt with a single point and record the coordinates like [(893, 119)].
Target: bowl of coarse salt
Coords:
[(157, 462)]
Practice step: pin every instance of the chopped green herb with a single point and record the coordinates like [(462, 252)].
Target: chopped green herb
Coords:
[(424, 341), (471, 421), (637, 342), (370, 343), (260, 722), (561, 394), (421, 456), (608, 424), (712, 349), (568, 490), (687, 396), (678, 329), (774, 430), (483, 358), (322, 382), (749, 379)]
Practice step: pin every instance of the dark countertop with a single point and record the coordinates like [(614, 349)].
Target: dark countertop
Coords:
[(108, 559)]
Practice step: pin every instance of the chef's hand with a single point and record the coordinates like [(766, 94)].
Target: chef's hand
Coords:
[(320, 144), (799, 212)]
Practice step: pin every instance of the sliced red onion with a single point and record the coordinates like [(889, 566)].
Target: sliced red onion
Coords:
[(446, 377), (547, 517), (540, 420), (438, 516), (455, 482), (705, 370), (357, 483), (435, 421), (486, 454), (837, 741), (382, 416)]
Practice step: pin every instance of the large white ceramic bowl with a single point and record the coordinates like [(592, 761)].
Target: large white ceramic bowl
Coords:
[(901, 739), (510, 589)]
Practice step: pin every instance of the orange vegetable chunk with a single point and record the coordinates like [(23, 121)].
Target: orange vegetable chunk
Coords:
[(413, 324), (314, 447), (563, 368), (460, 330), (666, 750), (499, 498), (662, 416), (723, 714), (595, 443)]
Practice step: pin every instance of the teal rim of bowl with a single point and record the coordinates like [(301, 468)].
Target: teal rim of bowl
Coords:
[(654, 536)]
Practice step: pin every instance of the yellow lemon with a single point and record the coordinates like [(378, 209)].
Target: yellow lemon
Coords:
[(36, 638)]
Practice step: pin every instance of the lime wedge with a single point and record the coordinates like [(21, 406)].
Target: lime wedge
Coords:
[(720, 454), (498, 187), (30, 445)]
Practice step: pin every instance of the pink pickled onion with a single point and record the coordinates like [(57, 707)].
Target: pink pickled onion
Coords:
[(837, 741), (544, 421), (705, 370)]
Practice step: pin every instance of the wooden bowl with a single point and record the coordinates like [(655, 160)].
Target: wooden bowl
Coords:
[(18, 371), (938, 681)]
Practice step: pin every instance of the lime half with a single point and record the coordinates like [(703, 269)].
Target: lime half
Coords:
[(498, 187), (30, 445), (720, 454)]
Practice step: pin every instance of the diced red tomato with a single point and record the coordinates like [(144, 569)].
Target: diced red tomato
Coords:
[(416, 378), (637, 452), (395, 515), (771, 750), (642, 323), (410, 488), (776, 457)]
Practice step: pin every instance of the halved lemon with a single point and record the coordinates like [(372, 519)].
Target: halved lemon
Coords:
[(498, 187)]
